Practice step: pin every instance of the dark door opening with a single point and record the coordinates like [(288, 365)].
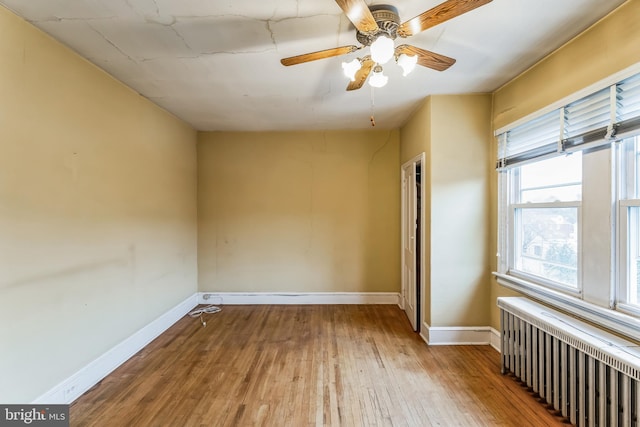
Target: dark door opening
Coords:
[(418, 244)]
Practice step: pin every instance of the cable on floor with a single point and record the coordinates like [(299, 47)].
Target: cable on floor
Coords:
[(199, 312)]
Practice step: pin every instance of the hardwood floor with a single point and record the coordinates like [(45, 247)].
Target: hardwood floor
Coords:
[(345, 365)]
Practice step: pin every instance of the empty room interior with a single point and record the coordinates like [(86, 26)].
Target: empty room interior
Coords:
[(452, 240)]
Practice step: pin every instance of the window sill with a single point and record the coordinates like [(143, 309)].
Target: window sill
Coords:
[(530, 280), (611, 319)]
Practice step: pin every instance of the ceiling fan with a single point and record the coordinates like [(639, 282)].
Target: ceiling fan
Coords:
[(377, 27)]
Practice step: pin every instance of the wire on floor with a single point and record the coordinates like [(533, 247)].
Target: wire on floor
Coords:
[(199, 312)]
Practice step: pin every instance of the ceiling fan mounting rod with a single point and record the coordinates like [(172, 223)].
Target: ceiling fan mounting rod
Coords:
[(388, 20)]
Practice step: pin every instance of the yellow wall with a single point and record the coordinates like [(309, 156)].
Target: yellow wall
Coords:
[(460, 276), (454, 131), (299, 211), (606, 48), (415, 134), (97, 212)]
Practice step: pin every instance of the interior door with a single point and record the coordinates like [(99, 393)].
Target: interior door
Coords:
[(409, 216)]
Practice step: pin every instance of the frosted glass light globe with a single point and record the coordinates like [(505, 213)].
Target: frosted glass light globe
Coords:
[(382, 50), (378, 79), (351, 68), (407, 63)]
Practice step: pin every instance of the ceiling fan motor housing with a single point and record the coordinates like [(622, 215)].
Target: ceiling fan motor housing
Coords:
[(386, 16)]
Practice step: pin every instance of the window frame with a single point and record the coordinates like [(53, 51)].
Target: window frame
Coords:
[(594, 161), (603, 307), (628, 198), (512, 203)]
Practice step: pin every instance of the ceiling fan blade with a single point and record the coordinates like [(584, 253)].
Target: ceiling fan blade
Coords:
[(362, 73), (321, 54), (426, 58), (359, 14), (439, 14)]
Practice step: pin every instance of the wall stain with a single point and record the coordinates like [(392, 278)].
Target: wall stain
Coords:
[(67, 272)]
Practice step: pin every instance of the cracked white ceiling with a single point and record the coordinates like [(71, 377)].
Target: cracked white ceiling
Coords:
[(216, 63)]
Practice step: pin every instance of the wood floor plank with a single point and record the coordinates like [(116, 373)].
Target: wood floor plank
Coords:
[(344, 365)]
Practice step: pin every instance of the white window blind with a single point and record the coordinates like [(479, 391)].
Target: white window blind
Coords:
[(533, 139), (628, 101), (587, 119), (610, 113)]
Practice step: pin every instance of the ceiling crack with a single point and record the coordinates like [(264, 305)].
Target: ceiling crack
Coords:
[(60, 19), (194, 56), (315, 15), (111, 43), (177, 33), (222, 15), (273, 36), (234, 52), (339, 32)]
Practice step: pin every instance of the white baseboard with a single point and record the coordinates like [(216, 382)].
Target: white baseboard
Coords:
[(73, 387), (496, 342), (261, 298), (456, 335)]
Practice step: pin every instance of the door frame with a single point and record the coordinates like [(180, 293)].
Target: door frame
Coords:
[(419, 159)]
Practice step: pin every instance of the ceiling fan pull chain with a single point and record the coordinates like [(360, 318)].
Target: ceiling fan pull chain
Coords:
[(373, 120)]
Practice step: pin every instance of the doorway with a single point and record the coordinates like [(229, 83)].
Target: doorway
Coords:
[(413, 239)]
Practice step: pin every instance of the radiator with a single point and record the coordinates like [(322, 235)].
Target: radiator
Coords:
[(587, 375)]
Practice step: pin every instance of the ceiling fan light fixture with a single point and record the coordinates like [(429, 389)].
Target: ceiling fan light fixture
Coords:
[(378, 79), (382, 49), (351, 68), (407, 63)]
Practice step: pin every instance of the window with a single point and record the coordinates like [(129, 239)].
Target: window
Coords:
[(569, 206), (545, 212), (630, 225)]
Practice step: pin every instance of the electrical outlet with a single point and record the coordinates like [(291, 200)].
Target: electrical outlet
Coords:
[(212, 298), (68, 392)]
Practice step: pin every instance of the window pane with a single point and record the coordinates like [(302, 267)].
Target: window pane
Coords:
[(547, 243), (542, 195), (633, 256), (630, 188), (630, 166), (636, 175), (558, 179)]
